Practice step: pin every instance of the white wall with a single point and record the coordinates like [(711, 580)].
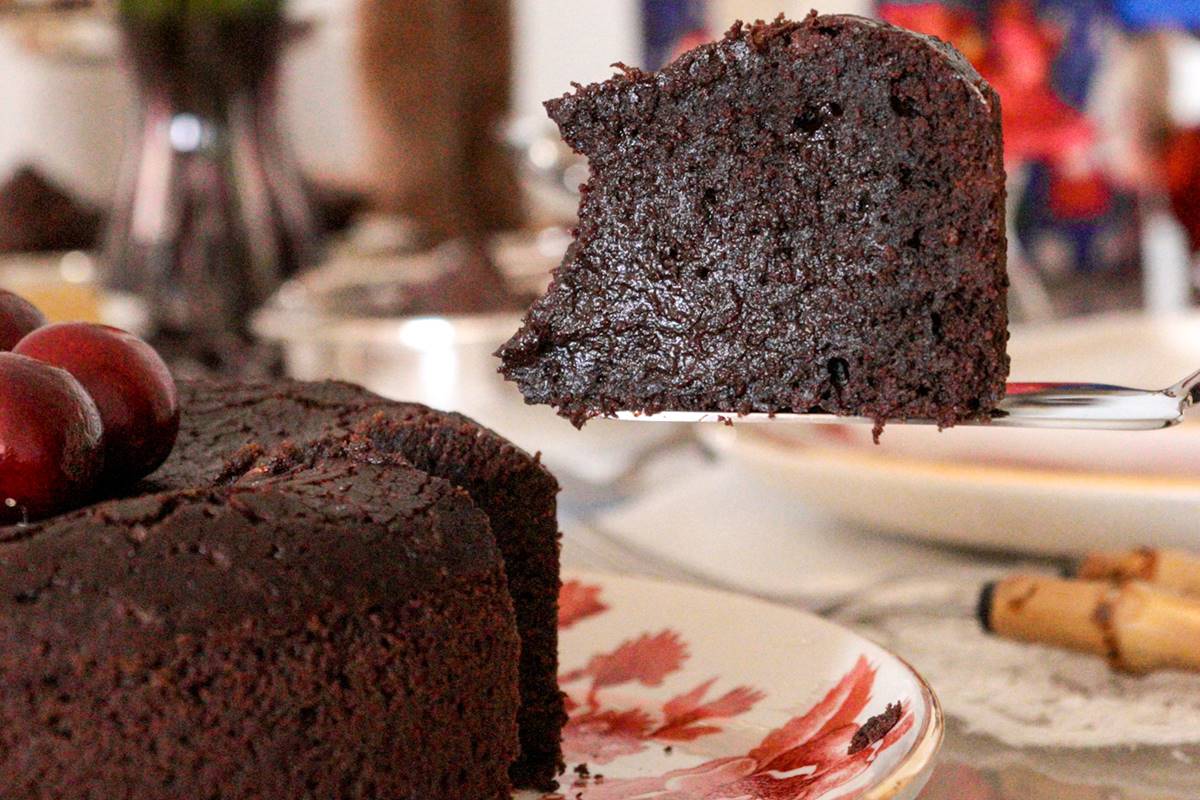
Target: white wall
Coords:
[(320, 94), (70, 118), (559, 42)]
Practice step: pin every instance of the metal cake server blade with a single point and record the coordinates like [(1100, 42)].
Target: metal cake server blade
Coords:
[(1085, 406)]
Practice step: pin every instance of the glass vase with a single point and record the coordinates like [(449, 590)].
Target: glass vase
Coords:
[(211, 214)]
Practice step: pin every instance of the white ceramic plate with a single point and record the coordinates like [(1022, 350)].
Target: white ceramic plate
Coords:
[(1138, 350), (1037, 491), (681, 693)]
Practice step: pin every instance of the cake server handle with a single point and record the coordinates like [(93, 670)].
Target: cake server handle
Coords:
[(1088, 406)]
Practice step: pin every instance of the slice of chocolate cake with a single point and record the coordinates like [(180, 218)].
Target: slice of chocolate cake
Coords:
[(321, 594), (800, 217)]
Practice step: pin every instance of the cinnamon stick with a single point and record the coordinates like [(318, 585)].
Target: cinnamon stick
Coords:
[(1170, 569), (1138, 627)]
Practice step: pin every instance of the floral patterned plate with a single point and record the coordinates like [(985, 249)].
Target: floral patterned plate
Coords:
[(682, 693)]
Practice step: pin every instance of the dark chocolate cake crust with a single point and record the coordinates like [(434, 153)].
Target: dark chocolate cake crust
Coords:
[(334, 628), (321, 594), (803, 216)]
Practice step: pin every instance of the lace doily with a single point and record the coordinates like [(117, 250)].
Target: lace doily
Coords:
[(1024, 695)]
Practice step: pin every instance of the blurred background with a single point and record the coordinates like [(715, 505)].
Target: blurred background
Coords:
[(369, 190), (192, 161), (406, 124)]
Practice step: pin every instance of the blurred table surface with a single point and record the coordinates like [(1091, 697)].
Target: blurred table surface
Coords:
[(980, 770), (641, 532)]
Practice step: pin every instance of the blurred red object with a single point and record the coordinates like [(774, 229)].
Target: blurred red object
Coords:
[(1079, 196), (1016, 57), (1182, 167), (954, 25), (689, 41), (1037, 124)]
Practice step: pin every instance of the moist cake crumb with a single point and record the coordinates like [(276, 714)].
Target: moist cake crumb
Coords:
[(803, 216)]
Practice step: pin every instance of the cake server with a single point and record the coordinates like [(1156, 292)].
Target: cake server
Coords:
[(1089, 406)]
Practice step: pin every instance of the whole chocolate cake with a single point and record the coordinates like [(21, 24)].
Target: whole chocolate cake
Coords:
[(804, 216), (321, 594)]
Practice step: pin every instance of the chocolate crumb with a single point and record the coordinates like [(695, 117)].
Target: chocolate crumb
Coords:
[(875, 728), (582, 770)]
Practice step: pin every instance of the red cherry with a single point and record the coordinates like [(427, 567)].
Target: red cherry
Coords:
[(131, 385), (50, 440), (18, 317)]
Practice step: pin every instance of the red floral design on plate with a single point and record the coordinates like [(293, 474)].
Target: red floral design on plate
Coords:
[(577, 601), (645, 660), (600, 734), (808, 757)]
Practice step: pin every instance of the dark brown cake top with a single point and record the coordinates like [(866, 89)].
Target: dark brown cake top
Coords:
[(799, 216), (318, 527), (219, 419)]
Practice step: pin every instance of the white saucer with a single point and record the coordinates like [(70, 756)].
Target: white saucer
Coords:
[(1034, 491), (685, 693)]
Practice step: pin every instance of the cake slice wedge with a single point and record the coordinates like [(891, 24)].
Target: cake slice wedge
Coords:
[(803, 216)]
